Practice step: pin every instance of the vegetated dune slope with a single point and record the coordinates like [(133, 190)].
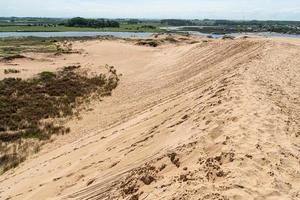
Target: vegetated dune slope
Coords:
[(217, 119)]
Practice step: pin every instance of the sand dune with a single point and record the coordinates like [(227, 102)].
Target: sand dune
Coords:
[(196, 119)]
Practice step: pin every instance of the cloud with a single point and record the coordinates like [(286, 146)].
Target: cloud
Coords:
[(229, 9)]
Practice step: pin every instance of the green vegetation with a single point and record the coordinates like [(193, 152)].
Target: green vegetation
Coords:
[(31, 110), (50, 95), (93, 23), (12, 48), (137, 25), (76, 24), (177, 22), (28, 108), (144, 27)]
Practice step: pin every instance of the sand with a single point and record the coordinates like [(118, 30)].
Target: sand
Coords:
[(197, 119)]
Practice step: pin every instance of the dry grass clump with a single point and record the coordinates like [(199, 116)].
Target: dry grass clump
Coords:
[(64, 48), (148, 42), (12, 57), (27, 107), (228, 37), (162, 39), (11, 71)]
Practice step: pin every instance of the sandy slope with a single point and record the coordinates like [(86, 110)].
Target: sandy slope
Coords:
[(217, 119)]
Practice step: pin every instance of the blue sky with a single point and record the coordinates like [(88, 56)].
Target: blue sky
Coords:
[(213, 9)]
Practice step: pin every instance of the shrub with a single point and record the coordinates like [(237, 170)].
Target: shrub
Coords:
[(11, 71), (44, 76), (148, 43), (27, 105)]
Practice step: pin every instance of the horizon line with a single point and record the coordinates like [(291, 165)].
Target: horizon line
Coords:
[(145, 18)]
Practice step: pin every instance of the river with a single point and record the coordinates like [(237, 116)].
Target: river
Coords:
[(73, 34), (130, 34)]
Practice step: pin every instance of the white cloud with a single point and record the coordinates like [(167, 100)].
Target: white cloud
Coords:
[(230, 9)]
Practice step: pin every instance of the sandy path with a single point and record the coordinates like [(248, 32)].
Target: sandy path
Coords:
[(210, 120)]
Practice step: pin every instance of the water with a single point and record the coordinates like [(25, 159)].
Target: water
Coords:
[(73, 34), (132, 34), (263, 34)]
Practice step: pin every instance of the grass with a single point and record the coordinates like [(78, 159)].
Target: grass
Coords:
[(156, 42), (10, 161), (28, 107), (11, 48), (143, 27)]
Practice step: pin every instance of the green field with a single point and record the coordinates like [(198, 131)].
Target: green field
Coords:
[(142, 27), (78, 24)]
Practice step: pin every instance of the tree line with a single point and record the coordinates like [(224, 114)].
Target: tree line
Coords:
[(177, 22), (93, 23)]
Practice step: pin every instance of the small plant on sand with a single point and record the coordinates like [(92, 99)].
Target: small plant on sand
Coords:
[(11, 71)]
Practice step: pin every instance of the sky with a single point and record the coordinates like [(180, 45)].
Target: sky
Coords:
[(155, 9)]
